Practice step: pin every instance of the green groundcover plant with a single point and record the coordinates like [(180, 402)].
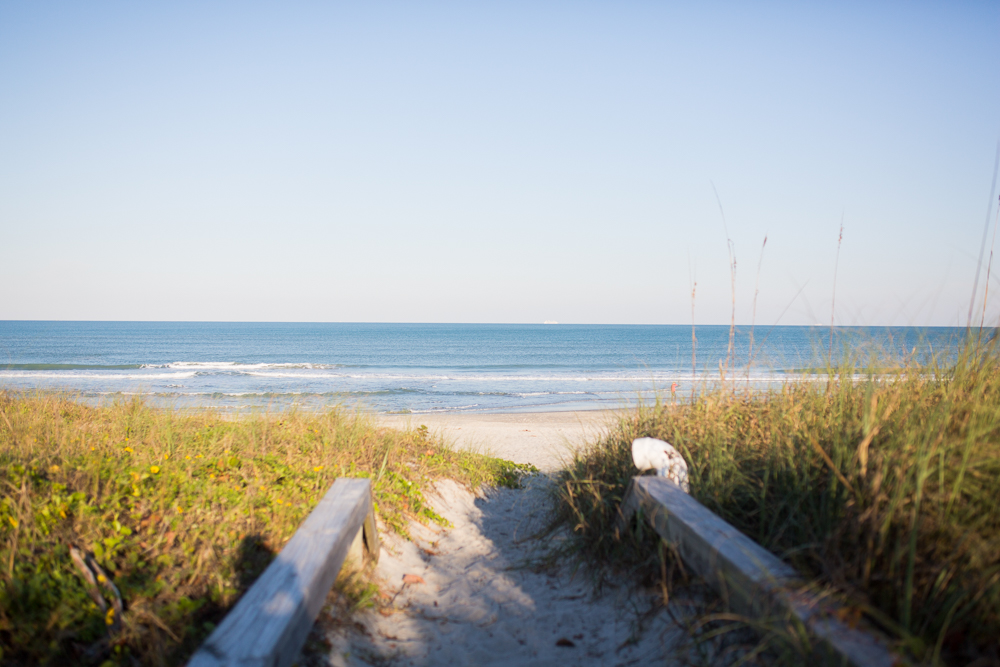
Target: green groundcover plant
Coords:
[(181, 510)]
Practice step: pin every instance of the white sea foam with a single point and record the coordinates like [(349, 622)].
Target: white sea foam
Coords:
[(236, 365), (448, 409), (244, 393), (76, 375), (608, 377)]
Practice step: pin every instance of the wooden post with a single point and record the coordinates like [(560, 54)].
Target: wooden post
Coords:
[(750, 579), (269, 624)]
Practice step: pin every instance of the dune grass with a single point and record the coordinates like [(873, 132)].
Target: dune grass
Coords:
[(882, 484), (183, 510)]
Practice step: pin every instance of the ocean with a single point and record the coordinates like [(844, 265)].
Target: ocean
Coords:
[(418, 368)]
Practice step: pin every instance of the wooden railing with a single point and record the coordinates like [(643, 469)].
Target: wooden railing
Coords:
[(750, 579), (269, 624)]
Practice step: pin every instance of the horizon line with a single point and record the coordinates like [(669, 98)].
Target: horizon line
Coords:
[(545, 323)]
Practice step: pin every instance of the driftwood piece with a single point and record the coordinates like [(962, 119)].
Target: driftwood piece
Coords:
[(269, 624), (95, 575)]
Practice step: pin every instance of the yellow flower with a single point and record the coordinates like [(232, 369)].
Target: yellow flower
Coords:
[(91, 449), (13, 521), (154, 469), (317, 468), (128, 449), (198, 456), (166, 456), (54, 469), (211, 476), (277, 500), (180, 510), (187, 458), (110, 618)]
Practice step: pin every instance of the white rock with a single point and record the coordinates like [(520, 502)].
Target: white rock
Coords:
[(652, 453)]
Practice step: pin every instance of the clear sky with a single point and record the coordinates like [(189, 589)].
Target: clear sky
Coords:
[(496, 161)]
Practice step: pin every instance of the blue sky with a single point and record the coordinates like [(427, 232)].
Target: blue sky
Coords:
[(496, 162)]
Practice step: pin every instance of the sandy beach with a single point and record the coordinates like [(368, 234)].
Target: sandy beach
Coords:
[(471, 592), (544, 439)]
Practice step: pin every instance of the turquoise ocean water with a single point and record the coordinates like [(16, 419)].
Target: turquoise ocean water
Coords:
[(415, 367)]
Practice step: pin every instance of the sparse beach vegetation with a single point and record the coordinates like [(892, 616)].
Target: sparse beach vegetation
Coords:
[(881, 484), (182, 510)]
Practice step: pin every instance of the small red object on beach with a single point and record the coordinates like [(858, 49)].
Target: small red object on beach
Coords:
[(413, 579)]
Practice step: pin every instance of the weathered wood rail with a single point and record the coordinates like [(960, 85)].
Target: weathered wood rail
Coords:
[(753, 581), (269, 624)]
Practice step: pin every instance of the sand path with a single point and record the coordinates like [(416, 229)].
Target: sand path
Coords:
[(478, 605)]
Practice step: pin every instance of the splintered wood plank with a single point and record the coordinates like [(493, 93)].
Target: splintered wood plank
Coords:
[(270, 622)]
